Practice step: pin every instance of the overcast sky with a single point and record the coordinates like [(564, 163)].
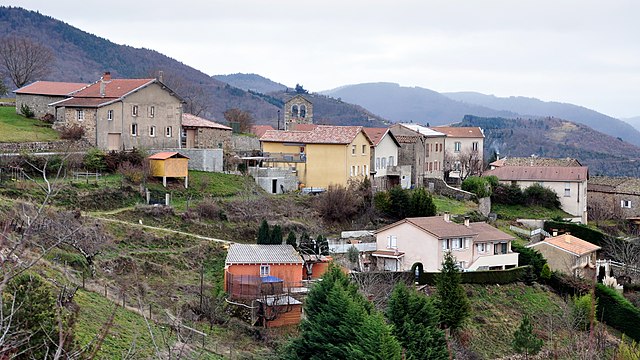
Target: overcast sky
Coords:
[(584, 52)]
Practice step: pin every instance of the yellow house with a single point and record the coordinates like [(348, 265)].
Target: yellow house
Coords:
[(321, 156), (169, 164)]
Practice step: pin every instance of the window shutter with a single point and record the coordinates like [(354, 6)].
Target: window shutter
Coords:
[(466, 243), (388, 241), (444, 244)]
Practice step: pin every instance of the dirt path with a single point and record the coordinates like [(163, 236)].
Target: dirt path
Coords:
[(160, 229)]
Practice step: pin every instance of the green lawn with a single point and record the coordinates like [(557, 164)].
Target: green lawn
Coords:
[(512, 212), (453, 206), (17, 128)]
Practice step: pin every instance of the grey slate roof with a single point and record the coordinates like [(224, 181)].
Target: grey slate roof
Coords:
[(262, 254)]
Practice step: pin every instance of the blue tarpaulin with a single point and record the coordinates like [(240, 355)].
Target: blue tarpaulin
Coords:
[(270, 279)]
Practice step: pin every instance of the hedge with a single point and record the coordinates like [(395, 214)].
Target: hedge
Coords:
[(618, 312), (577, 230), (481, 277)]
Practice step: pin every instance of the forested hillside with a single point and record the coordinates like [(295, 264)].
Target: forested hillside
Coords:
[(550, 137)]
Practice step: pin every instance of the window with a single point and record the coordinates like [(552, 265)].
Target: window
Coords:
[(364, 149), (481, 248), (457, 166), (474, 146), (110, 115), (364, 170), (303, 111), (353, 149), (383, 163), (357, 170), (456, 146), (134, 110), (265, 270), (567, 189), (134, 129), (392, 242), (152, 111), (390, 160), (353, 170), (445, 244), (294, 111), (457, 244), (377, 163), (168, 131), (625, 204), (152, 131), (80, 115)]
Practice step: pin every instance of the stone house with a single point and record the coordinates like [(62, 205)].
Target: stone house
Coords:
[(385, 171), (616, 197), (434, 142), (425, 240), (566, 177), (124, 114), (199, 133), (297, 110), (569, 254), (40, 94), (412, 151)]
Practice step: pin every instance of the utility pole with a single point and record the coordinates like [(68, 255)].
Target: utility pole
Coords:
[(278, 120)]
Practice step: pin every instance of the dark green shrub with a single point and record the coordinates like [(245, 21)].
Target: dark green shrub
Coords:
[(545, 274), (508, 195), (477, 185), (382, 202), (421, 204), (94, 160), (528, 256), (26, 111), (400, 202), (481, 277), (493, 181), (617, 312), (536, 194)]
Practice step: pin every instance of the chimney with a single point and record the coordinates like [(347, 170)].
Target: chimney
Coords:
[(106, 76), (161, 76), (447, 217), (554, 232), (466, 221), (103, 82)]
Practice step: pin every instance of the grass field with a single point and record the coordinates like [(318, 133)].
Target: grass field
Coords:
[(512, 212), (453, 206), (17, 128)]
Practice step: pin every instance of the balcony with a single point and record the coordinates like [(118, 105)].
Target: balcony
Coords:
[(284, 157), (393, 170), (492, 261)]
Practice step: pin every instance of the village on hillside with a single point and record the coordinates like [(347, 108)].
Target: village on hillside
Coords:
[(382, 233)]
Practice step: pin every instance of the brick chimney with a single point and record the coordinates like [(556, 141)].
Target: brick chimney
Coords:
[(106, 76), (103, 82)]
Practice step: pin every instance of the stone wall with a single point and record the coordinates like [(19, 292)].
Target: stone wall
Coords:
[(209, 138), (89, 122), (438, 186), (210, 160), (283, 179), (43, 146), (244, 144), (39, 104)]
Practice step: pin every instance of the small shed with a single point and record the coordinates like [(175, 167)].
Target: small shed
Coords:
[(279, 310), (169, 164)]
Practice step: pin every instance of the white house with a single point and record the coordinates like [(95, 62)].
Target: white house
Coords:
[(385, 170)]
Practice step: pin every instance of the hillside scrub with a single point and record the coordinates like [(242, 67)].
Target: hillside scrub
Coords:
[(478, 185)]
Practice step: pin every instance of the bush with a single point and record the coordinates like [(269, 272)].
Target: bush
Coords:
[(536, 194), (482, 277), (528, 256), (508, 195), (208, 209), (545, 274), (477, 185), (48, 118), (114, 159), (421, 204), (73, 132), (618, 312), (132, 173), (581, 311), (94, 160), (382, 202), (26, 111), (493, 181), (337, 204)]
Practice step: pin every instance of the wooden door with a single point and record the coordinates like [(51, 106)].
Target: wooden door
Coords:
[(113, 141), (191, 138)]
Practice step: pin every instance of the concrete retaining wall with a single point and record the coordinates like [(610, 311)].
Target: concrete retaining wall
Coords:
[(201, 159), (283, 179)]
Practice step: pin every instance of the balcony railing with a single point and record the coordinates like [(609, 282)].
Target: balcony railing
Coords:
[(285, 157), (508, 259)]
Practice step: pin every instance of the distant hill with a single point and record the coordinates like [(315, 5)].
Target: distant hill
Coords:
[(403, 104), (550, 137), (528, 107), (83, 57), (634, 121), (252, 82)]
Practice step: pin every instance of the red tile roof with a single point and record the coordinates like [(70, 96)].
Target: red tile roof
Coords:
[(461, 132), (322, 134), (437, 226), (536, 161), (487, 232), (540, 173), (195, 121), (570, 243), (375, 134), (51, 88), (259, 130), (166, 155), (114, 88)]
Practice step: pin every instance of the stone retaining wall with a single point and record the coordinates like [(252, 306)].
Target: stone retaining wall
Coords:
[(43, 146), (439, 187)]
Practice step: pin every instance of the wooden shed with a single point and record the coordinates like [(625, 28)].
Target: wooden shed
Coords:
[(169, 164)]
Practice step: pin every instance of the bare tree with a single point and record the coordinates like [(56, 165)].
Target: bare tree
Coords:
[(625, 251), (466, 162), (195, 96), (243, 118), (600, 210), (24, 60)]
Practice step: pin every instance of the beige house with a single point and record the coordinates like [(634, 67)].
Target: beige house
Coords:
[(199, 133), (564, 176), (38, 95), (475, 246), (614, 197), (124, 114), (463, 154), (569, 254), (385, 171)]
